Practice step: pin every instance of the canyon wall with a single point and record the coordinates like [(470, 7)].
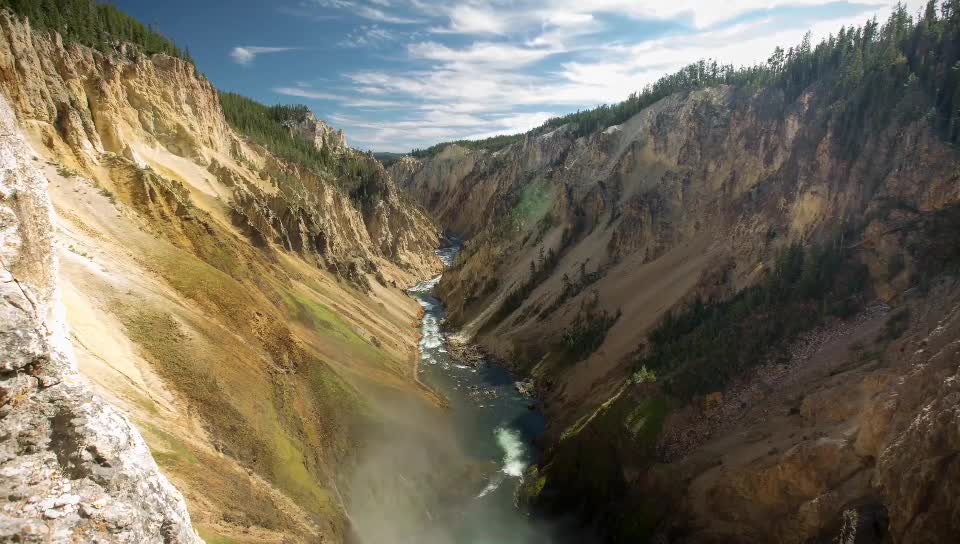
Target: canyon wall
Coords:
[(595, 240), (72, 465), (246, 314)]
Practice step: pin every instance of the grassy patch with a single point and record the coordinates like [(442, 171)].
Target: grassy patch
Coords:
[(263, 440), (646, 421), (239, 500), (185, 368), (326, 322), (290, 473), (65, 172), (207, 285), (210, 536), (701, 348), (104, 192), (536, 201), (317, 315), (173, 451), (585, 473)]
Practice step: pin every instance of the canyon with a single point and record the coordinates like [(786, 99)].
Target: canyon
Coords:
[(730, 316), (694, 199), (246, 316)]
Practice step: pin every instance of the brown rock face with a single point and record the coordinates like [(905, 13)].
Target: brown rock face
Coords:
[(246, 313), (692, 197), (72, 466), (157, 111)]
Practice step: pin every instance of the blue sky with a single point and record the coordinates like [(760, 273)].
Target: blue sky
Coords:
[(400, 74)]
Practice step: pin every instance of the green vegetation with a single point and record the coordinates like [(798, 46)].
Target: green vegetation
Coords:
[(269, 126), (174, 450), (266, 125), (588, 330), (96, 25), (536, 200), (324, 320), (646, 420), (574, 287), (586, 475), (701, 348), (210, 537), (175, 360), (65, 172), (539, 271), (487, 144), (387, 158), (644, 375), (872, 71), (932, 245)]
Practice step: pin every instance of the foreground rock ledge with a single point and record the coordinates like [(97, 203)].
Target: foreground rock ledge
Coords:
[(72, 468)]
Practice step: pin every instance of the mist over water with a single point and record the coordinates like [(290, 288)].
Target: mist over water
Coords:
[(451, 476), (492, 428)]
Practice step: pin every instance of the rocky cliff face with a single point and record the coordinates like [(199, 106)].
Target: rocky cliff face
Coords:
[(98, 105), (73, 466), (321, 134), (245, 314), (694, 197)]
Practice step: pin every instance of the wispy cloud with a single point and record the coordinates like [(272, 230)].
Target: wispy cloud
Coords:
[(499, 17), (368, 36), (248, 53), (477, 68), (372, 10), (301, 91), (492, 55)]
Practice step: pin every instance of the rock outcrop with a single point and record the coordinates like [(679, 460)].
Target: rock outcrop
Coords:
[(71, 466), (320, 133)]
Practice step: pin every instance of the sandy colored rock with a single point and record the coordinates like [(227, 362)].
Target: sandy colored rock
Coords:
[(72, 466)]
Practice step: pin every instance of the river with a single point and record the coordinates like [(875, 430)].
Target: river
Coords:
[(494, 423)]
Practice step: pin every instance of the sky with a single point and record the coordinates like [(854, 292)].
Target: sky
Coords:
[(402, 74)]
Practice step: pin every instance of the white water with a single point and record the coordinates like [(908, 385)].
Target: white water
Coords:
[(515, 458), (515, 452), (494, 423)]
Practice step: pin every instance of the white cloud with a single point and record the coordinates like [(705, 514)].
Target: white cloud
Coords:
[(489, 55), (468, 19), (368, 36), (306, 92), (501, 83), (375, 14), (501, 17), (433, 126), (246, 54), (368, 11), (343, 99)]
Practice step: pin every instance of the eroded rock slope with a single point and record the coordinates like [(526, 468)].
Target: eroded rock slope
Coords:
[(245, 312), (72, 466), (579, 247)]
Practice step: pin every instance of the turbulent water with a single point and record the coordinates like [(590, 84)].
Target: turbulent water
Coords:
[(495, 424)]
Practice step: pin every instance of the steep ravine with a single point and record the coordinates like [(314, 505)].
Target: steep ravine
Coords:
[(699, 196), (248, 316)]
